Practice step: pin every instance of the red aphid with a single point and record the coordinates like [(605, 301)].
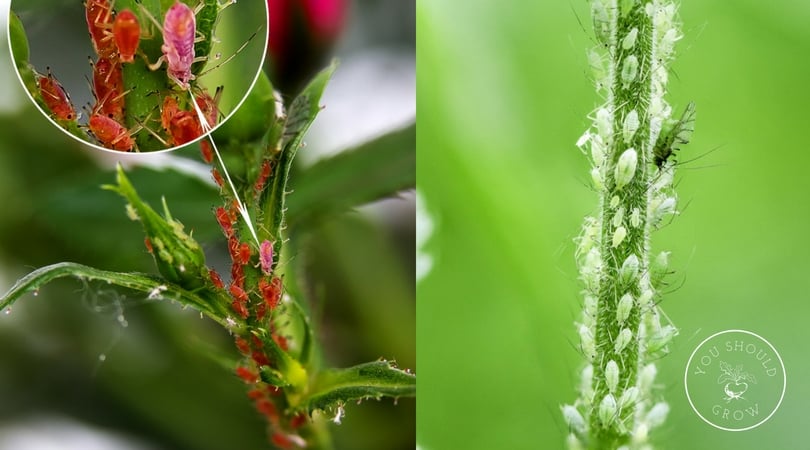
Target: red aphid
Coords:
[(233, 247), (179, 29), (261, 311), (99, 21), (266, 257), (169, 110), (127, 35), (110, 133), (244, 253), (217, 178), (260, 358), (148, 244), (281, 341), (184, 127), (56, 98), (298, 420), (255, 394), (287, 441), (210, 106), (216, 279), (243, 346), (240, 309), (206, 151), (271, 292), (238, 275), (247, 375), (108, 88), (238, 294), (224, 220), (234, 210), (266, 407), (263, 175)]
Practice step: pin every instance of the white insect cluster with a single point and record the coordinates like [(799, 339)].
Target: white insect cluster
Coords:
[(621, 332)]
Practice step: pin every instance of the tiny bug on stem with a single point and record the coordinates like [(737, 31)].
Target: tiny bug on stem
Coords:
[(217, 178), (247, 375), (111, 134), (680, 134), (55, 97), (224, 221), (98, 14), (216, 279), (270, 291), (108, 88), (238, 294), (266, 257), (244, 253), (127, 35), (179, 33), (182, 126), (262, 178)]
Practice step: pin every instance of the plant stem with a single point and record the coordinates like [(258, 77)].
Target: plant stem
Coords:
[(620, 331)]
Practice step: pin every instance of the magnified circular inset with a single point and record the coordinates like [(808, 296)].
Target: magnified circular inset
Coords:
[(138, 75)]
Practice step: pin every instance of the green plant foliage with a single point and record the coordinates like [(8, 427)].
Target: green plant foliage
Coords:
[(331, 186), (261, 307)]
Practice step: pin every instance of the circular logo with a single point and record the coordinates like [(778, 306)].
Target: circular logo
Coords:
[(735, 380)]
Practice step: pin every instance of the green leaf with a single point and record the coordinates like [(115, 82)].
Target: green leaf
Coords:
[(333, 388), (20, 50), (206, 20), (251, 120), (178, 256), (300, 116), (373, 171), (21, 53), (154, 287)]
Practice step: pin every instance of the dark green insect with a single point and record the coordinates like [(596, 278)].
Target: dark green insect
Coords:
[(670, 140)]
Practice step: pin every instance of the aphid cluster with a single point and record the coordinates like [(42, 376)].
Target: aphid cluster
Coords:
[(116, 38), (256, 296), (258, 301)]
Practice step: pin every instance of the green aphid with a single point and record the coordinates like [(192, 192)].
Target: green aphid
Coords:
[(670, 140)]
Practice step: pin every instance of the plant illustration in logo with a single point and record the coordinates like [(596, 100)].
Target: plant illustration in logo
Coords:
[(736, 381)]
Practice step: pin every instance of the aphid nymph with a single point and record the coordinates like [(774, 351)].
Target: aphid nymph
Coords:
[(669, 141)]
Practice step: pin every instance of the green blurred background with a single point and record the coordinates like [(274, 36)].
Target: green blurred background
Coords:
[(91, 367), (503, 94)]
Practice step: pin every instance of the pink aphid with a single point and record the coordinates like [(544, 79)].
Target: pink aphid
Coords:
[(266, 257), (179, 29)]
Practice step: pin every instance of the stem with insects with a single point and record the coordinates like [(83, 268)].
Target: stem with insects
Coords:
[(620, 331)]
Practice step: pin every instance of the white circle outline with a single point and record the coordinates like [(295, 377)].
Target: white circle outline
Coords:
[(686, 382), (119, 152)]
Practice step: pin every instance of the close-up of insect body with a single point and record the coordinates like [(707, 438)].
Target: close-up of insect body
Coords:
[(671, 139), (143, 53), (55, 97), (179, 33), (127, 34)]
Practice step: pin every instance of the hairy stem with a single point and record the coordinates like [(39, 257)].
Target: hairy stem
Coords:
[(631, 145)]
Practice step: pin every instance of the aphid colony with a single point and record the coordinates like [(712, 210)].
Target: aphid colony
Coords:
[(257, 299), (116, 37)]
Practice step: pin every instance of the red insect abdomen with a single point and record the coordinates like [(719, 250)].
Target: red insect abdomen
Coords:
[(99, 19), (110, 133), (127, 34), (108, 87), (56, 98)]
